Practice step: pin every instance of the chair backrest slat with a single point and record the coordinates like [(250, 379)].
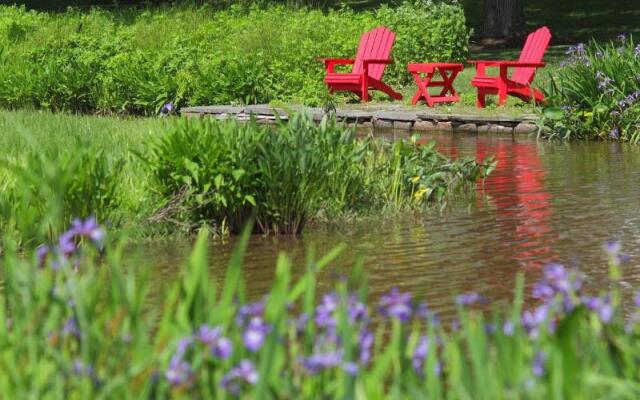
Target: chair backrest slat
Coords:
[(375, 44), (533, 51)]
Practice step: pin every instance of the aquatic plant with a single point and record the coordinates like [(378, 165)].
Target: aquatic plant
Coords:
[(596, 93), (87, 329), (223, 173)]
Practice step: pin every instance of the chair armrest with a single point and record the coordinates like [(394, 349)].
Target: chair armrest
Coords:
[(508, 64), (330, 63), (504, 66), (487, 63), (522, 64)]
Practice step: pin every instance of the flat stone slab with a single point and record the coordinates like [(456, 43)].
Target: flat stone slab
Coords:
[(264, 110), (378, 115), (211, 110), (353, 115), (405, 116)]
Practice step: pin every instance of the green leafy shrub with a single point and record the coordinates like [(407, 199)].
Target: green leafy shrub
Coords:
[(222, 173), (597, 93), (136, 61), (225, 172)]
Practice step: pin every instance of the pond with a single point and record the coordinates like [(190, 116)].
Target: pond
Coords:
[(546, 202)]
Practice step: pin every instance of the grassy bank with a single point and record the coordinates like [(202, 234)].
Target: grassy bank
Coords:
[(170, 175), (76, 328)]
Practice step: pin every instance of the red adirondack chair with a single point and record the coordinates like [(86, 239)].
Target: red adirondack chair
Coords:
[(519, 84), (368, 66)]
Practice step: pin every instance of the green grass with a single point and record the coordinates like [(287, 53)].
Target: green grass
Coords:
[(46, 139)]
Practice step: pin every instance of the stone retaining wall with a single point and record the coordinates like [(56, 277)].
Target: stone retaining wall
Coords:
[(397, 118)]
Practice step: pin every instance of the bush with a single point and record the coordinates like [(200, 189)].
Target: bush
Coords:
[(136, 61), (222, 173), (597, 93), (79, 326)]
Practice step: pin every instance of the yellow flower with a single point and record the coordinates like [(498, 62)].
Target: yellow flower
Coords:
[(415, 179), (419, 194)]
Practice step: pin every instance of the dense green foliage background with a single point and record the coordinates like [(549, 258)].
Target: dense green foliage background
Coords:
[(135, 61)]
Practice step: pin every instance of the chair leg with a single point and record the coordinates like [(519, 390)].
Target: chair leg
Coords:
[(502, 95), (365, 95), (480, 100), (365, 89), (502, 98)]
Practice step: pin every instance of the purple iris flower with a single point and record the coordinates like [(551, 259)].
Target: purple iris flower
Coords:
[(66, 243), (455, 325), (636, 299), (42, 252), (71, 328), (250, 310), (301, 323), (366, 343), (613, 247), (220, 346), (321, 361), (420, 355), (467, 299), (356, 310), (622, 38), (538, 363), (255, 334), (350, 368), (614, 133), (533, 320), (183, 346), (88, 228), (558, 276), (636, 51), (543, 290), (325, 311), (167, 108), (80, 368), (208, 335), (601, 306), (243, 374), (422, 310), (178, 371), (396, 305), (508, 328)]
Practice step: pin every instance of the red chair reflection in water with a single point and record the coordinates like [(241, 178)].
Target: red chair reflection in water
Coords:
[(523, 205)]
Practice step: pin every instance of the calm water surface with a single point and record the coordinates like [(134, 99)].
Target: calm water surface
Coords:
[(546, 202)]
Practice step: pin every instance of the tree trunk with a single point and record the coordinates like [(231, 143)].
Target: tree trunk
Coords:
[(503, 18)]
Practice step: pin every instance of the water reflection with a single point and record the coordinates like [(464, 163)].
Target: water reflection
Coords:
[(545, 202), (516, 191)]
